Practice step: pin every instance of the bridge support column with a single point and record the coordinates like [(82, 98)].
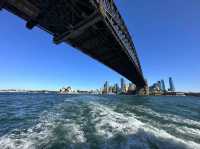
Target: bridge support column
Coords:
[(2, 2), (143, 91)]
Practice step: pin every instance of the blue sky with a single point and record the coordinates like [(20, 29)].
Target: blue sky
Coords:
[(165, 33)]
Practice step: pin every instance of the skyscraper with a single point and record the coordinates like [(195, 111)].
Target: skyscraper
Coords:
[(117, 88), (123, 87), (163, 85), (159, 85), (171, 85), (106, 88)]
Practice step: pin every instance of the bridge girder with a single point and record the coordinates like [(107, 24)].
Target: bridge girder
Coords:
[(93, 26)]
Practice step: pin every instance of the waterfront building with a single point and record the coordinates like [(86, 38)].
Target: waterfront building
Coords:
[(114, 89), (159, 85), (123, 86), (131, 88), (171, 85), (67, 90), (117, 88), (163, 88), (106, 88), (110, 90), (155, 89)]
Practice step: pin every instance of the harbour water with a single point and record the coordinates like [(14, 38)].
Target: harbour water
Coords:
[(52, 121)]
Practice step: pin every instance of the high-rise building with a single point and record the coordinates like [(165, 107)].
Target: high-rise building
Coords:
[(159, 85), (163, 86), (123, 86), (110, 89), (117, 90), (131, 88), (106, 88), (171, 85)]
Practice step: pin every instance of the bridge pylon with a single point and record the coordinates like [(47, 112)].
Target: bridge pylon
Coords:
[(144, 90)]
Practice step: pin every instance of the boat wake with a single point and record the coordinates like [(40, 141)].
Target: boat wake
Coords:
[(78, 123)]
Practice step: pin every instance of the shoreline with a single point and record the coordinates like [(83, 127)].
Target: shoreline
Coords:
[(47, 92)]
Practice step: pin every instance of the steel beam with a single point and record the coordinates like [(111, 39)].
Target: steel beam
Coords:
[(2, 2), (25, 7), (85, 24), (93, 26), (116, 22)]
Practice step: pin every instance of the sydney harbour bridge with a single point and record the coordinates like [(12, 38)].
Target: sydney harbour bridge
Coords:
[(93, 26)]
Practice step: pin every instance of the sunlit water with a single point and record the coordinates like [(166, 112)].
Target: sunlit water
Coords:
[(51, 121)]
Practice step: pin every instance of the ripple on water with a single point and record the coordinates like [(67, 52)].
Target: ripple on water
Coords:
[(88, 123)]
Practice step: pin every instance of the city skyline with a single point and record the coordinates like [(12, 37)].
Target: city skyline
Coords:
[(38, 64)]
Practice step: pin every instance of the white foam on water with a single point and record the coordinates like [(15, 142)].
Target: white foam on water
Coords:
[(187, 128), (169, 117), (189, 131), (43, 133), (139, 134), (74, 133), (24, 140), (108, 124)]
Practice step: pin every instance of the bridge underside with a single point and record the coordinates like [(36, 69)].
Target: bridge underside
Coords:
[(93, 26)]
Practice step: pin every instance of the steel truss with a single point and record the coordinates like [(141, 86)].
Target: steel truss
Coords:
[(93, 26)]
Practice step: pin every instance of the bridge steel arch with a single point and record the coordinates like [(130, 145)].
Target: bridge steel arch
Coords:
[(93, 26)]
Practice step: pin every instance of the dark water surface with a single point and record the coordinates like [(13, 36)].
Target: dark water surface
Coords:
[(51, 121)]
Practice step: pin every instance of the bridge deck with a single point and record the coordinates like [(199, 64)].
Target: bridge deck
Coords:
[(93, 26)]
